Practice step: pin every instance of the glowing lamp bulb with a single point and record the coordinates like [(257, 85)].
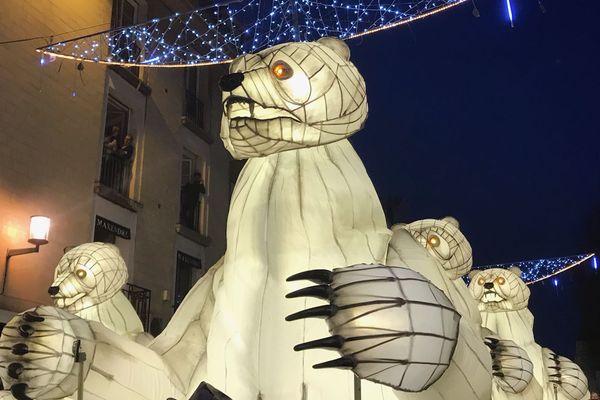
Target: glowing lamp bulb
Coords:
[(39, 227)]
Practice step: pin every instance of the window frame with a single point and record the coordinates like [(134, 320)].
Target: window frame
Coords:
[(195, 164), (197, 117)]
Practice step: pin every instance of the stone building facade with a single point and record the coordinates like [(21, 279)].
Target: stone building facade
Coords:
[(108, 153)]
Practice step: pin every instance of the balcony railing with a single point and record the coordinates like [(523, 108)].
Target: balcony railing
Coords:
[(194, 108), (190, 216), (140, 299), (116, 173)]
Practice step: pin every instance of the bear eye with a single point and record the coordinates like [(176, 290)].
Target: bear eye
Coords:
[(81, 274), (282, 70), (481, 280), (500, 280), (433, 241)]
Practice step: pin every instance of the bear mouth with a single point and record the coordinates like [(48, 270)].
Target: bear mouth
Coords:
[(241, 108), (491, 296), (65, 302)]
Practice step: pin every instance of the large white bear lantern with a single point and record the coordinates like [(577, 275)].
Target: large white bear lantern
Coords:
[(88, 281), (303, 202), (503, 299)]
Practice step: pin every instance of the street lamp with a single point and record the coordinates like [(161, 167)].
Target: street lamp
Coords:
[(39, 226)]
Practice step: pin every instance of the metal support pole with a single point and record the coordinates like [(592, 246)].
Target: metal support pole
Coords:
[(357, 391), (80, 358)]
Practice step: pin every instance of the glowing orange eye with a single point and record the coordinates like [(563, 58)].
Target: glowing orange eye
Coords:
[(81, 273), (282, 71), (433, 241), (481, 280), (500, 280)]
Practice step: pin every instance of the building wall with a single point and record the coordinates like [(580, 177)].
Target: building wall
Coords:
[(49, 130), (51, 145)]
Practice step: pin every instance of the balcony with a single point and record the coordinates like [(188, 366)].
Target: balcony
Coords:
[(193, 216), (115, 179), (193, 117), (140, 300), (116, 173)]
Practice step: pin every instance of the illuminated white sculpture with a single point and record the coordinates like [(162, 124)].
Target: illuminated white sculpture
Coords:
[(503, 299), (88, 282), (303, 201)]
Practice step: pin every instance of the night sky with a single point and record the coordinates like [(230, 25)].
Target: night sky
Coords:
[(499, 127)]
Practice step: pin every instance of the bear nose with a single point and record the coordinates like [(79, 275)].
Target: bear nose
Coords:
[(488, 285), (53, 290), (231, 81)]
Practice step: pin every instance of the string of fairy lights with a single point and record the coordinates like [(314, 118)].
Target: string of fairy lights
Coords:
[(224, 31), (533, 271)]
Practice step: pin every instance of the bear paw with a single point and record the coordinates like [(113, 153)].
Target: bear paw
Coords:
[(390, 324), (511, 366), (37, 359), (565, 375)]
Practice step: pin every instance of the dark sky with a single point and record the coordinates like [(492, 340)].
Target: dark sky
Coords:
[(497, 126)]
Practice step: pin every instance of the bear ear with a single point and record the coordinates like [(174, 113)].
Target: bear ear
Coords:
[(516, 271), (337, 45), (397, 227), (452, 221), (472, 273)]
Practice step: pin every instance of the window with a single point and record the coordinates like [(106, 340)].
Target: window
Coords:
[(125, 13), (118, 148), (193, 210), (184, 275), (194, 107)]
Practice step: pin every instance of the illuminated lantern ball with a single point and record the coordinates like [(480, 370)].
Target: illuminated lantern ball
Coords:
[(391, 325)]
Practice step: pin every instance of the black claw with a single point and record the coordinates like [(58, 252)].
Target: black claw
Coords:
[(498, 374), (331, 342), (18, 391), (342, 362), (32, 316), (491, 344), (20, 349), (15, 370), (320, 311), (319, 291), (26, 330), (315, 275), (496, 367)]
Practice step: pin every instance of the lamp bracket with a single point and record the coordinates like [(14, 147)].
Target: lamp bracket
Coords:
[(16, 252), (19, 252)]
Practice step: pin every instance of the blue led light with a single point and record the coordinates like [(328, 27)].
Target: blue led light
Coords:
[(510, 13), (537, 270), (220, 33), (555, 282), (595, 263)]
